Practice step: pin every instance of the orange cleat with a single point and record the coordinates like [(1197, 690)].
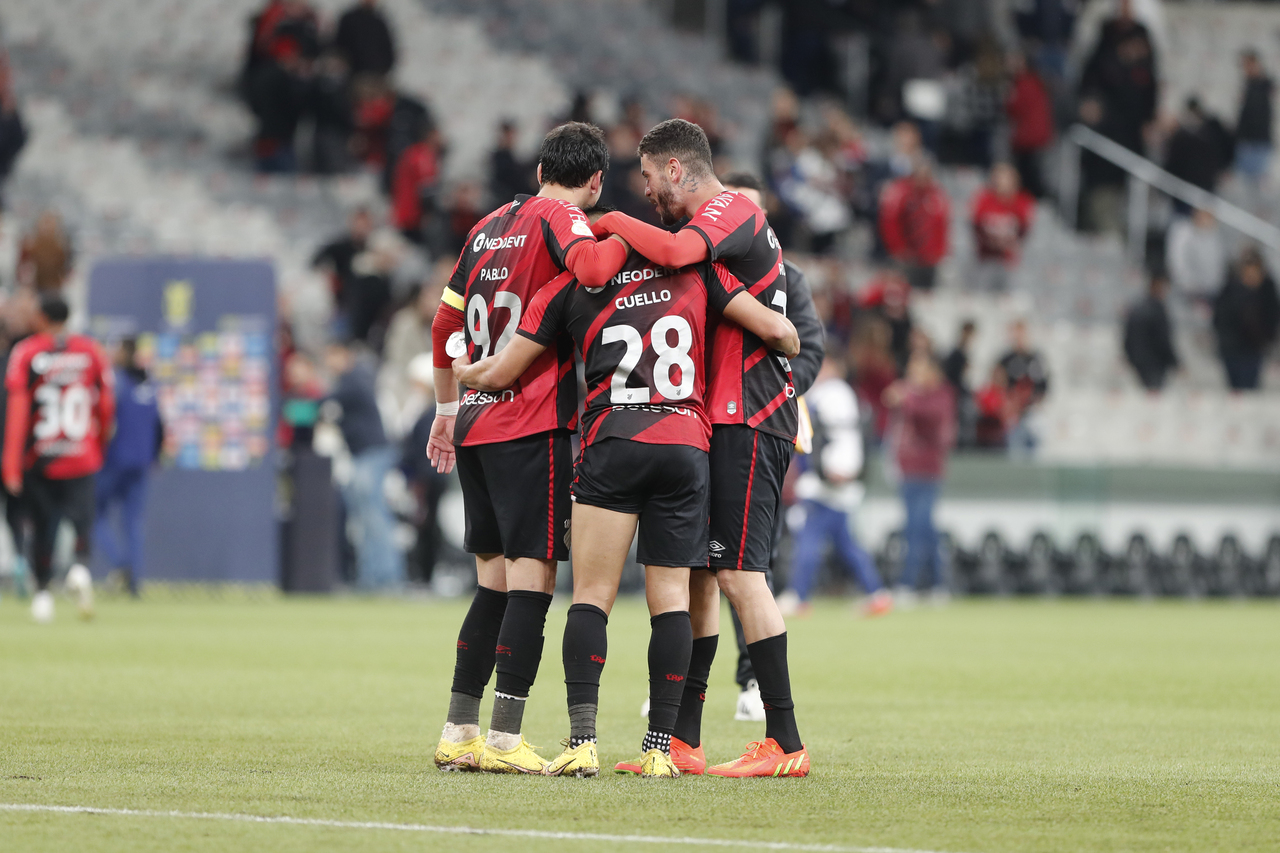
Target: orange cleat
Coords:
[(764, 758), (689, 760), (878, 604), (625, 768)]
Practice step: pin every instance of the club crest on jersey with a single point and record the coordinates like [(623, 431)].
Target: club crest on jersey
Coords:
[(732, 407)]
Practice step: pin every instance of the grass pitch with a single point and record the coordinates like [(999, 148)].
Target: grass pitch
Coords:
[(983, 727)]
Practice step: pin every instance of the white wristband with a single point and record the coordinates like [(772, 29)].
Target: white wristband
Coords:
[(447, 410)]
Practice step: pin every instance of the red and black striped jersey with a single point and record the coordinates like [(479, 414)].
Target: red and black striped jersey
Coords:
[(749, 384), (61, 406), (641, 337), (510, 255)]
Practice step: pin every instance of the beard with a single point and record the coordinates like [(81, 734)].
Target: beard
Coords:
[(664, 200)]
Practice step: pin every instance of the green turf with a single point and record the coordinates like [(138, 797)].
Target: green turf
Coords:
[(986, 726)]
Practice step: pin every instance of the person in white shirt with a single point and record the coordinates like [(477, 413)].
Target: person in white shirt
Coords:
[(831, 492), (1196, 257)]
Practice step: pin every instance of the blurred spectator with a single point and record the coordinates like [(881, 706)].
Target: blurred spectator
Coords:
[(380, 565), (831, 492), (1196, 257), (374, 105), (278, 95), (13, 133), (913, 53), (956, 368), (408, 121), (1198, 151), (1122, 74), (1046, 26), (914, 218), (975, 109), (301, 392), (122, 481), (888, 296), (329, 103), (994, 414), (1246, 316), (1031, 126), (465, 210), (415, 185), (1102, 183), (1027, 381), (283, 28), (924, 434), (338, 256), (364, 39), (409, 333), (1254, 125), (874, 368), (45, 257), (1002, 216), (427, 485), (1148, 336), (807, 182), (508, 174), (369, 302)]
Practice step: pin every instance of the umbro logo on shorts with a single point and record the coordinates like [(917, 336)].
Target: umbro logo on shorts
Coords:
[(716, 548)]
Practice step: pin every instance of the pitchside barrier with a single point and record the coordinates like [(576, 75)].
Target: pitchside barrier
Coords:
[(205, 331)]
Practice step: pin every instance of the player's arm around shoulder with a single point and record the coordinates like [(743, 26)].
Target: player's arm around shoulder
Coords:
[(501, 370), (742, 308)]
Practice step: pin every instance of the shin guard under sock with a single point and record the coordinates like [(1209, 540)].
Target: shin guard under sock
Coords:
[(670, 644), (769, 657), (586, 645), (475, 658), (518, 654), (689, 720)]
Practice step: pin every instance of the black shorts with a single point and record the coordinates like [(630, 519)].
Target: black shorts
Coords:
[(747, 469), (516, 496), (667, 485)]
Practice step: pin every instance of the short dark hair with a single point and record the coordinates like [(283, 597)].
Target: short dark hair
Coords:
[(743, 180), (54, 308), (681, 139), (572, 153)]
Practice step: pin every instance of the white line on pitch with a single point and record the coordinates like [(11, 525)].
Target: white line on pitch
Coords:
[(461, 830)]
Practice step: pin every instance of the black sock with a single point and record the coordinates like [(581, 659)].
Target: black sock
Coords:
[(670, 644), (689, 720), (474, 663), (518, 654), (586, 645), (656, 740), (769, 656)]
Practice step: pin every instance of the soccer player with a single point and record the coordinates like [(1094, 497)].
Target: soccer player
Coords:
[(751, 401), (804, 371), (57, 425), (512, 448), (643, 464)]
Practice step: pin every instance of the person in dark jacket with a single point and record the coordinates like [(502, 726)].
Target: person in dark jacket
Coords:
[(13, 133), (329, 101), (1198, 151), (278, 96), (1148, 336), (1246, 317), (122, 482), (508, 174), (1253, 127), (364, 39), (379, 563)]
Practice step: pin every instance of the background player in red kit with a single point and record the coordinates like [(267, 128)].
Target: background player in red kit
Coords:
[(512, 448), (644, 463), (57, 425), (752, 405)]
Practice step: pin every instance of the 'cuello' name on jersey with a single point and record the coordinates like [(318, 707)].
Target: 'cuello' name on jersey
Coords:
[(635, 300)]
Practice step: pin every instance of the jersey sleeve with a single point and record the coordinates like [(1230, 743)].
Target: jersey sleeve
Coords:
[(544, 318), (455, 292), (729, 229), (564, 225), (722, 286), (17, 413)]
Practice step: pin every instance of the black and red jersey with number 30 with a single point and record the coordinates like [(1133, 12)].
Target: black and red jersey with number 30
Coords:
[(749, 383), (61, 407), (510, 255), (642, 342)]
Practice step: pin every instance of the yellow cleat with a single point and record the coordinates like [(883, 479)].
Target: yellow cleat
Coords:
[(463, 756), (657, 764), (519, 759), (583, 760)]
